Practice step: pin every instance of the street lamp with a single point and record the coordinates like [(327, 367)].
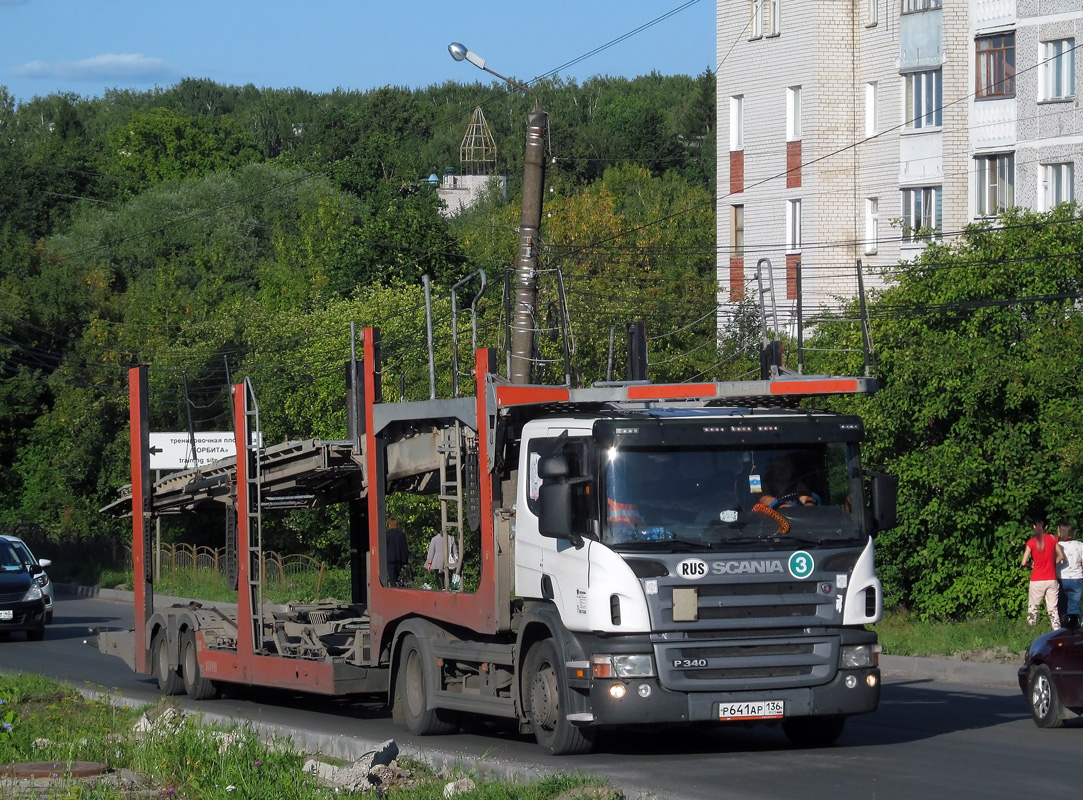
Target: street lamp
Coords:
[(526, 264)]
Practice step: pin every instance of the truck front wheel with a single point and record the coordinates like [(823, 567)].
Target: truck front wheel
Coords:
[(544, 698), (413, 698), (813, 731)]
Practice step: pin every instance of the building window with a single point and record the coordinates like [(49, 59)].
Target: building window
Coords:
[(996, 65), (737, 122), (871, 110), (1058, 69), (872, 225), (737, 231), (910, 6), (793, 113), (922, 213), (924, 99), (774, 17), (793, 226), (996, 183), (1058, 185), (872, 12), (755, 25)]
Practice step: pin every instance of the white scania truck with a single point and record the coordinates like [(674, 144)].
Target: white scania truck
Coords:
[(643, 554)]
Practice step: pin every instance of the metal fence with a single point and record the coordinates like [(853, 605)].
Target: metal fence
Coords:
[(278, 570)]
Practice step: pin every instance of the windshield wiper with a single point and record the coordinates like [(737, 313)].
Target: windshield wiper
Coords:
[(665, 545)]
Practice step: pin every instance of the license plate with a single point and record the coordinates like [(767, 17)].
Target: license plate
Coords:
[(752, 709), (6, 613)]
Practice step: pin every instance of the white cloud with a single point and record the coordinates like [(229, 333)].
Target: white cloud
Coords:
[(111, 66)]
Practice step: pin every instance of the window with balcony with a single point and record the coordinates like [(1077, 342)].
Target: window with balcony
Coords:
[(995, 65), (912, 6), (1058, 185), (1058, 69), (922, 213), (924, 99), (995, 184)]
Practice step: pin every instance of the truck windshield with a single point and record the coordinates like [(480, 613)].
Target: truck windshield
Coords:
[(709, 497)]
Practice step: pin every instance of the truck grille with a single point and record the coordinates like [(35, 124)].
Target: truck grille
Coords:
[(746, 663)]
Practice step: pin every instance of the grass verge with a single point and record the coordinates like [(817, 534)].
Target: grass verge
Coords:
[(994, 639), (44, 721)]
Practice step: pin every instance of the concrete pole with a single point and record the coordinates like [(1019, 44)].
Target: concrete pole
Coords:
[(526, 264)]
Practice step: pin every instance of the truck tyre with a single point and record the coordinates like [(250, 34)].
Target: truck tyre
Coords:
[(813, 731), (169, 680), (544, 694), (195, 685), (1045, 705), (413, 698)]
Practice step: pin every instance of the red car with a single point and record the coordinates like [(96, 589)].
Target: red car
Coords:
[(1052, 675)]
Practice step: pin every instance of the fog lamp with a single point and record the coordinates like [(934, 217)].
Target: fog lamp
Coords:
[(851, 681), (644, 690), (870, 680), (617, 691)]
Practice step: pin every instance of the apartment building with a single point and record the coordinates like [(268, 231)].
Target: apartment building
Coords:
[(854, 131)]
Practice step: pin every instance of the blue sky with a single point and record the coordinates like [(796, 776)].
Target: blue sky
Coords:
[(87, 46)]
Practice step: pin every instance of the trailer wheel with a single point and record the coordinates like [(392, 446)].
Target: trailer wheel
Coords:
[(412, 696), (196, 686), (543, 700), (169, 680), (813, 731)]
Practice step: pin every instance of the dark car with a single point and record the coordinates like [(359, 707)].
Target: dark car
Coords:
[(22, 604), (1052, 675)]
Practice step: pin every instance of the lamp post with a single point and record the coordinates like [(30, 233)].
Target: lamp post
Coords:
[(526, 264)]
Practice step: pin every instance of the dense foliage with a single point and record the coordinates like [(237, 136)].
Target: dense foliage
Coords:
[(979, 351), (219, 233)]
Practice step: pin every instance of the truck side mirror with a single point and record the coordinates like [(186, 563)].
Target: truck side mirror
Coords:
[(556, 498), (885, 497)]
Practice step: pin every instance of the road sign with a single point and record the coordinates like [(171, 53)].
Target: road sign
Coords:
[(170, 451)]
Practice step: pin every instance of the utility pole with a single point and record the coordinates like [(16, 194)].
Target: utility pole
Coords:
[(526, 264)]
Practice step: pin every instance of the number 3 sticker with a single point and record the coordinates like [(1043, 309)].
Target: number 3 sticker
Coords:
[(801, 564)]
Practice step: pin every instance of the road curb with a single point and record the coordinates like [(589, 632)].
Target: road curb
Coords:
[(949, 670)]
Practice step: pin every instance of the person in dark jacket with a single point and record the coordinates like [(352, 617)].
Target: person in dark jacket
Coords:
[(398, 552)]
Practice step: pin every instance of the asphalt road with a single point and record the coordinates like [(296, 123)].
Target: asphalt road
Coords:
[(929, 739)]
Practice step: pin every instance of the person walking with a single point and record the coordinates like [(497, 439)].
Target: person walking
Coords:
[(1046, 553), (1070, 569)]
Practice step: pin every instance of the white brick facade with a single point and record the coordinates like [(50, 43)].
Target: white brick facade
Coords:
[(844, 53)]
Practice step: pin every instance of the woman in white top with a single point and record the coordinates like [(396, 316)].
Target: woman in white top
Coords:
[(1070, 570)]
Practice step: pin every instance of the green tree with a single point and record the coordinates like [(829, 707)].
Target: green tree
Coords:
[(978, 346)]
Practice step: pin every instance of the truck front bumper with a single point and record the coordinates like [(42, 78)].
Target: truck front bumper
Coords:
[(645, 701)]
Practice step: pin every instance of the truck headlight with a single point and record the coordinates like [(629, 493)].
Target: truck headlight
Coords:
[(856, 656), (635, 666)]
